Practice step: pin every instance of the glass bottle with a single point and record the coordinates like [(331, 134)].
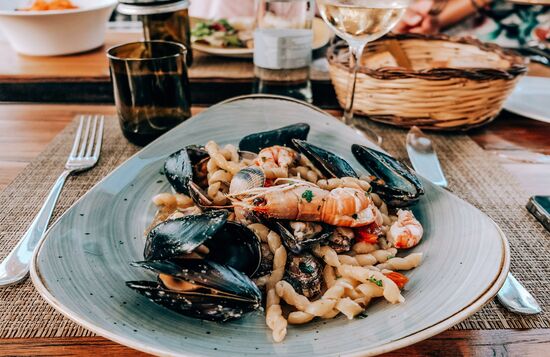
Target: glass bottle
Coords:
[(282, 47), (165, 20)]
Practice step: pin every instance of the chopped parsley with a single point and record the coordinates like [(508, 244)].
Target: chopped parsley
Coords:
[(305, 268), (362, 315), (372, 279), (391, 256), (307, 195)]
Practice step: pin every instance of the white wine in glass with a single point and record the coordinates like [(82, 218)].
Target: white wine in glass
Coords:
[(360, 22)]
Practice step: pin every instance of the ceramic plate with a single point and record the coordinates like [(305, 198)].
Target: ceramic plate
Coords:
[(530, 98), (81, 265), (321, 36)]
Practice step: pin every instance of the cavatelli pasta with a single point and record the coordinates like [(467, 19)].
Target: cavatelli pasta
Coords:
[(409, 262)]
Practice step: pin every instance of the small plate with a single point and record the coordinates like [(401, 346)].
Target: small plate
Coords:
[(531, 98), (81, 265), (321, 36)]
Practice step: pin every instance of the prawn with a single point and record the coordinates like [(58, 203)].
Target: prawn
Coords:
[(303, 201), (406, 232), (275, 161)]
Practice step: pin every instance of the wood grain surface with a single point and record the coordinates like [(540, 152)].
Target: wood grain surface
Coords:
[(449, 343)]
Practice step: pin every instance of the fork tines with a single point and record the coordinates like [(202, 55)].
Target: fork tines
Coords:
[(87, 145)]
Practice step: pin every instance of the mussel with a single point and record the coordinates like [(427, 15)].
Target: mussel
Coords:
[(396, 184), (281, 136), (179, 167), (186, 172), (330, 164), (305, 273), (229, 243), (297, 236), (341, 239), (199, 288)]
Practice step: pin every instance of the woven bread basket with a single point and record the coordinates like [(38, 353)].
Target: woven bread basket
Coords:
[(434, 82)]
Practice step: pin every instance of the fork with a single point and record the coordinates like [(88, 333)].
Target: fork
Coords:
[(84, 155)]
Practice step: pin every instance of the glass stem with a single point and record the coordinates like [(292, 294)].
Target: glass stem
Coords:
[(356, 51)]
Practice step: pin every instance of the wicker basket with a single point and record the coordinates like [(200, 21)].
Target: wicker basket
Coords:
[(434, 82)]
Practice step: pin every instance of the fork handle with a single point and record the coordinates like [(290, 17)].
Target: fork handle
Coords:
[(15, 267)]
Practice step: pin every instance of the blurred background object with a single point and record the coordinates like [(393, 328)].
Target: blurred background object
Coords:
[(69, 28), (162, 20), (516, 23), (282, 47)]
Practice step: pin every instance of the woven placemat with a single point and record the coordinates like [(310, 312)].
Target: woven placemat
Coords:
[(473, 175)]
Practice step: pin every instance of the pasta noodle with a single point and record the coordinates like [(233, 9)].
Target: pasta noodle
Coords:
[(407, 263), (350, 182), (348, 307), (305, 173)]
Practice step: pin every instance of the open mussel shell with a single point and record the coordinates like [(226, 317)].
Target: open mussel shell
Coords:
[(181, 236), (178, 168), (394, 181), (219, 293), (330, 164), (308, 237), (236, 246), (184, 169), (282, 136), (305, 273), (229, 243)]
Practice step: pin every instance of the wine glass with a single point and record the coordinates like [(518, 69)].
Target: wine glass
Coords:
[(360, 22)]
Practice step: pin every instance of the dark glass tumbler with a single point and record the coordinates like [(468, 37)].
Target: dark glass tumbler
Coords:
[(151, 88)]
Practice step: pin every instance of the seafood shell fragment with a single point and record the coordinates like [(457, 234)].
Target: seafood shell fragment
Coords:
[(199, 288), (281, 136)]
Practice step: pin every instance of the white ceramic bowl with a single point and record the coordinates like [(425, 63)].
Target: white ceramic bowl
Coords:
[(55, 32)]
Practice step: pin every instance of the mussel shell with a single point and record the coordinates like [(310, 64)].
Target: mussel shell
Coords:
[(282, 136), (236, 246), (206, 273), (305, 273), (178, 168), (296, 245), (330, 164), (181, 236), (230, 243), (239, 293), (195, 305), (395, 182), (339, 241), (266, 266)]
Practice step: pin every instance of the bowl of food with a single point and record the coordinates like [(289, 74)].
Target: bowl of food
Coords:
[(54, 27)]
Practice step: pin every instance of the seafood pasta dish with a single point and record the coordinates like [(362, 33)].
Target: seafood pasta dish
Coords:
[(281, 226)]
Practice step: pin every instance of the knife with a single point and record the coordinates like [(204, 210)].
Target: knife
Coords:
[(513, 296), (423, 157)]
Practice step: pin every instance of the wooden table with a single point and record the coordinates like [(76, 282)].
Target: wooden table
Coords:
[(84, 78), (25, 129)]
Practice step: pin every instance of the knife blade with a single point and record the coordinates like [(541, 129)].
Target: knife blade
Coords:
[(513, 296), (423, 157)]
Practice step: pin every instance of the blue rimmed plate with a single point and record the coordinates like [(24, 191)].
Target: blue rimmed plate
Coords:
[(81, 265)]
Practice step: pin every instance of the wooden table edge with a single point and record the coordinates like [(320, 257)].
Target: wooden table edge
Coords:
[(533, 342)]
